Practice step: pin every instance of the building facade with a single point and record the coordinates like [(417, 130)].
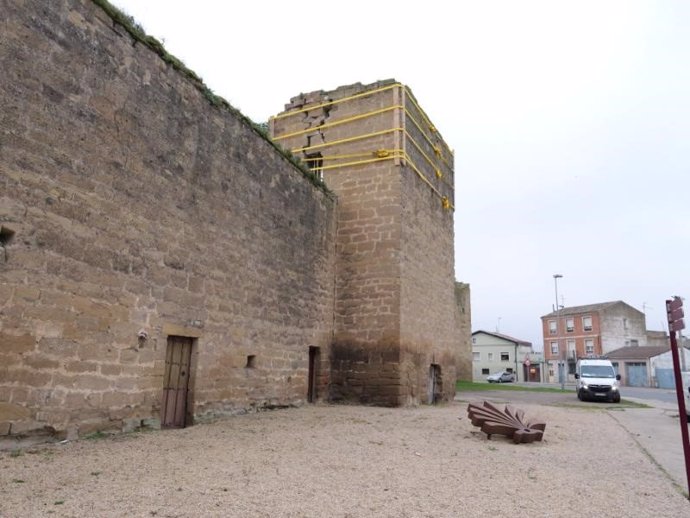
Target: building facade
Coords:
[(164, 262), (494, 352), (593, 329), (648, 366)]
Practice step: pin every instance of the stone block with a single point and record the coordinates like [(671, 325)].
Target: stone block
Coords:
[(10, 343), (26, 426), (28, 293), (153, 423)]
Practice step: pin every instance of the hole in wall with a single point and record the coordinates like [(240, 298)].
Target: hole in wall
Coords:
[(251, 361), (6, 237)]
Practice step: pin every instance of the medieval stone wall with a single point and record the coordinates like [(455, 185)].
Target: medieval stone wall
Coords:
[(128, 204)]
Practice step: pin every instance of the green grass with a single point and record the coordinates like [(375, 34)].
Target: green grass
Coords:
[(469, 386)]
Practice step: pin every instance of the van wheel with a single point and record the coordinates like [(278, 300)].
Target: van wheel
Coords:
[(617, 398), (579, 395)]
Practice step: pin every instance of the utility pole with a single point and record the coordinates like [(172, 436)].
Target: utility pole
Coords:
[(676, 322), (561, 354)]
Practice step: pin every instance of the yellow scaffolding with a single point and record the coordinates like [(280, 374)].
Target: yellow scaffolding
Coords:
[(379, 154)]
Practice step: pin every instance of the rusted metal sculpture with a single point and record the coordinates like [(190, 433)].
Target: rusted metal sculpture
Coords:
[(509, 422)]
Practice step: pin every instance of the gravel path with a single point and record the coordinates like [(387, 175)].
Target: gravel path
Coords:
[(346, 461)]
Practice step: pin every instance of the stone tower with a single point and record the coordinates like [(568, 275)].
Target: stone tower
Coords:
[(396, 337)]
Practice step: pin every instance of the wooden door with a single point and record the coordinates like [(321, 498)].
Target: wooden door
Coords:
[(434, 386), (176, 382)]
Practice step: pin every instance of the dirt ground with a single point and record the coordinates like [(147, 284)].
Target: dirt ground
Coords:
[(346, 461)]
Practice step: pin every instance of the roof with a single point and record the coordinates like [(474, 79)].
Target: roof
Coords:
[(504, 337), (635, 352), (589, 308)]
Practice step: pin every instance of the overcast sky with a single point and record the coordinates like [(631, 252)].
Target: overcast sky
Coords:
[(570, 123)]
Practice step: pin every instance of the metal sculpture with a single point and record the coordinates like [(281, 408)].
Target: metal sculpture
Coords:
[(509, 422)]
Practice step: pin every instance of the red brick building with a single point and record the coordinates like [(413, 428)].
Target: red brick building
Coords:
[(593, 329)]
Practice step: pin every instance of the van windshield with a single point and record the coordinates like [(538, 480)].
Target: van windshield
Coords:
[(597, 371)]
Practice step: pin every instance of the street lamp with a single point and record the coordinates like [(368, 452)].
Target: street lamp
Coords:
[(561, 374)]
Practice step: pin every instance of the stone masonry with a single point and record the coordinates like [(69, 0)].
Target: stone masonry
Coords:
[(130, 204), (161, 259)]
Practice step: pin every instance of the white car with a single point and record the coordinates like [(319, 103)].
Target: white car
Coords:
[(501, 377)]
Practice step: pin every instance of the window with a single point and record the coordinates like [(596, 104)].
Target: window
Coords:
[(634, 343), (589, 346), (314, 162), (554, 348), (485, 371), (476, 357), (251, 362), (509, 369), (474, 340), (553, 328), (570, 325), (625, 323), (491, 357), (587, 323), (505, 357), (571, 349)]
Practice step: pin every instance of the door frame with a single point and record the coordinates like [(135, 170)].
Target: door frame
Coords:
[(183, 414), (312, 373)]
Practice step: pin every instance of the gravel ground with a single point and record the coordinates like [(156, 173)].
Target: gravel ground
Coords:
[(346, 461)]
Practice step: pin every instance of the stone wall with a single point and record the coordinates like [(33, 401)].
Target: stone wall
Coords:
[(132, 209), (464, 358), (396, 312)]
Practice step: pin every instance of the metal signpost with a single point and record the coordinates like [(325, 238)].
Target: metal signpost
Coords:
[(674, 309)]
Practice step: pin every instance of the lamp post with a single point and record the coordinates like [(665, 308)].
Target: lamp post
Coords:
[(561, 363)]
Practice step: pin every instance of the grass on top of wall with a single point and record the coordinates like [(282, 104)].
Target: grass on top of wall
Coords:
[(137, 32)]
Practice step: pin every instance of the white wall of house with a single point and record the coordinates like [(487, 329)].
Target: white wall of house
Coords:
[(622, 325), (492, 354), (665, 360)]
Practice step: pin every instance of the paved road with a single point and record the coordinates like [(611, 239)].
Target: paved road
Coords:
[(656, 429)]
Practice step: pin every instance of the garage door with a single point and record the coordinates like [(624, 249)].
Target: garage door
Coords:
[(665, 378), (636, 374)]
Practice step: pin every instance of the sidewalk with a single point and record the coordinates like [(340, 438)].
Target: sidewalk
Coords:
[(657, 431)]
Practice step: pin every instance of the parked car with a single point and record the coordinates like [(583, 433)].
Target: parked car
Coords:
[(501, 377), (595, 379)]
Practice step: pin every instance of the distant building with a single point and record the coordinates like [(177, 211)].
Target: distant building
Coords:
[(646, 366), (493, 352), (594, 329)]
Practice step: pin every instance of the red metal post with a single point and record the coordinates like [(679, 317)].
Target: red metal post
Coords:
[(679, 391)]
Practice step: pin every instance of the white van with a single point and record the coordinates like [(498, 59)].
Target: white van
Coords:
[(597, 380)]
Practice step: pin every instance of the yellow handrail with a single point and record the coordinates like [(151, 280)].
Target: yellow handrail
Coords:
[(432, 144), (345, 140), (338, 122), (426, 118), (431, 162)]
